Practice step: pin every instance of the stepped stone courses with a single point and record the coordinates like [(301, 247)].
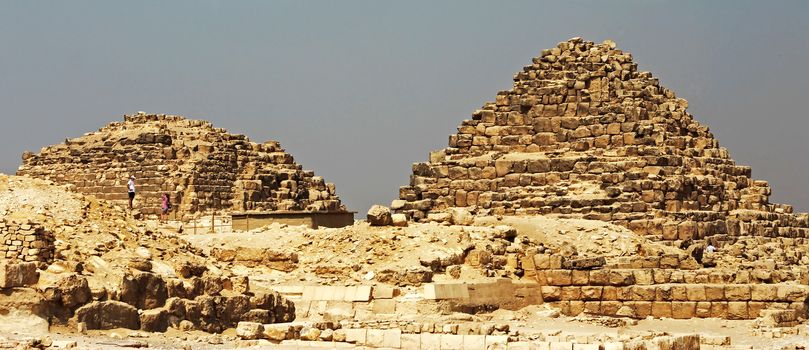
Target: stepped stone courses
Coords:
[(201, 167), (25, 241), (583, 133)]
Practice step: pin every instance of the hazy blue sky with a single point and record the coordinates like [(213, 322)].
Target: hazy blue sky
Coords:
[(359, 90)]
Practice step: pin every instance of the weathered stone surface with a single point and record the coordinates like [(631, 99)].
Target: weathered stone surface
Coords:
[(249, 330), (252, 257), (155, 320), (18, 274), (144, 290), (108, 315), (584, 119), (74, 291), (379, 215), (583, 263)]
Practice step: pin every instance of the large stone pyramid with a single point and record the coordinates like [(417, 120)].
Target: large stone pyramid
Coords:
[(583, 133), (201, 167)]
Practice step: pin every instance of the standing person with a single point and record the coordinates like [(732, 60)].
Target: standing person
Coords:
[(165, 206), (131, 189)]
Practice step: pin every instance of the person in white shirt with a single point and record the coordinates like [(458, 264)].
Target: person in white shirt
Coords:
[(131, 187)]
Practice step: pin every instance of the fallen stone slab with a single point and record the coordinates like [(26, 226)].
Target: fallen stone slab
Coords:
[(108, 315)]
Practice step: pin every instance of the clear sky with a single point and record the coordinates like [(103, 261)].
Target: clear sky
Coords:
[(359, 90)]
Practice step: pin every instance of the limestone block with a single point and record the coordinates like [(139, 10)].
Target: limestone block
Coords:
[(763, 292), (600, 277), (277, 332), (644, 276), (621, 277), (384, 306), (108, 315), (496, 341), (356, 336), (589, 293), (715, 292), (439, 291), (551, 293), (737, 310), (571, 293), (452, 341), (661, 309), (249, 330), (737, 292), (695, 292), (410, 341), (561, 346), (379, 215), (703, 309), (580, 277), (683, 309), (430, 341), (558, 277), (610, 308), (793, 293), (18, 274), (382, 291)]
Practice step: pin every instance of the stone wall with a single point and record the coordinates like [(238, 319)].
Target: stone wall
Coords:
[(25, 241), (201, 167), (583, 133)]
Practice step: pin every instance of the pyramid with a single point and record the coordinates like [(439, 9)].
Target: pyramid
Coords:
[(201, 167), (584, 134)]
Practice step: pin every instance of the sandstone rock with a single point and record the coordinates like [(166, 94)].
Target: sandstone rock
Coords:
[(108, 315), (310, 334), (144, 290), (155, 320), (249, 330), (276, 332), (259, 316), (140, 264), (74, 291), (188, 269), (379, 215), (18, 274), (461, 216), (583, 263), (399, 220), (240, 284), (252, 257)]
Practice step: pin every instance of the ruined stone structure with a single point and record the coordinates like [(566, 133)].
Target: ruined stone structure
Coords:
[(583, 133), (25, 241), (202, 168)]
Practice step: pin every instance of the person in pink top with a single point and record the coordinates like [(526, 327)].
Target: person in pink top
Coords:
[(165, 205)]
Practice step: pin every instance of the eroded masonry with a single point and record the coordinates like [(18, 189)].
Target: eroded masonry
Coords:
[(201, 167), (583, 133)]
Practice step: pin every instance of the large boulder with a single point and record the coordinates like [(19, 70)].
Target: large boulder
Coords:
[(249, 330), (379, 215), (108, 315), (18, 274), (73, 291), (144, 290), (155, 320)]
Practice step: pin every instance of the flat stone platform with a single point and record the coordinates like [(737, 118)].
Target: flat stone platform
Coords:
[(246, 221)]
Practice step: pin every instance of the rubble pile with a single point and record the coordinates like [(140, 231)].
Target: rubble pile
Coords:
[(199, 166)]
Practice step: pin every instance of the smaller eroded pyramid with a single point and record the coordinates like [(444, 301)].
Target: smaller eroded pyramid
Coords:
[(201, 167)]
